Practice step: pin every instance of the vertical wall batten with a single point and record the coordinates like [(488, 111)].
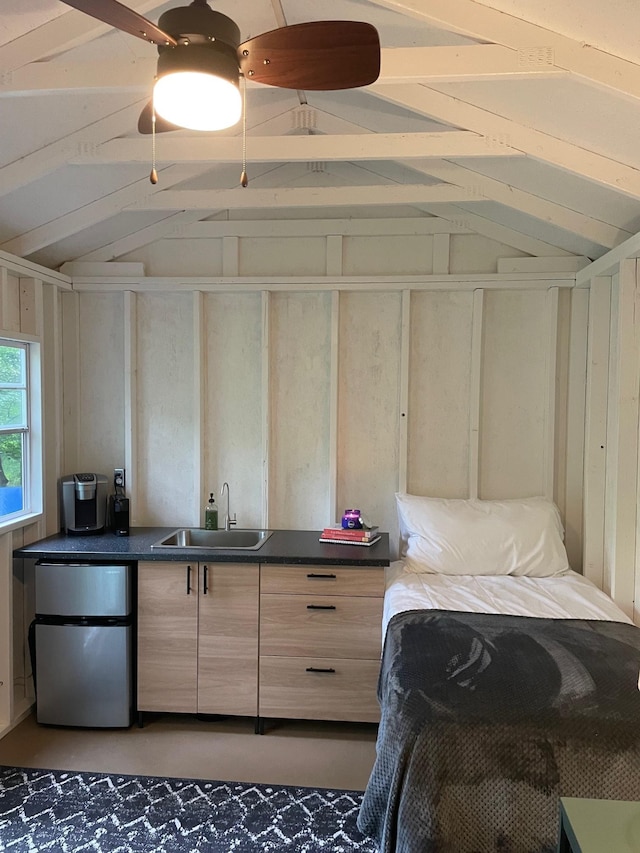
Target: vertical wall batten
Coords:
[(596, 440), (52, 419), (130, 397), (403, 391), (550, 407), (623, 421), (475, 393), (200, 379), (70, 304), (571, 429), (334, 380), (266, 403)]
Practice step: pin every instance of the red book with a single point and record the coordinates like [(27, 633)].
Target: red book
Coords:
[(359, 535)]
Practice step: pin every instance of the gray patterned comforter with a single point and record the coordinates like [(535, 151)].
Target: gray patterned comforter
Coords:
[(487, 720)]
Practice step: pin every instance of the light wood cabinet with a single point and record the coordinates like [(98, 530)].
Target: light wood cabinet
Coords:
[(198, 637), (320, 642)]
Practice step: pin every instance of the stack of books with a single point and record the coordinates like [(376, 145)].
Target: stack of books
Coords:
[(350, 536)]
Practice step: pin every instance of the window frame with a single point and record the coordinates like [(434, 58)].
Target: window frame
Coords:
[(32, 445)]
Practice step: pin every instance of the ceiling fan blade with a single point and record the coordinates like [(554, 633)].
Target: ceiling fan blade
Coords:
[(122, 18), (318, 55), (145, 121)]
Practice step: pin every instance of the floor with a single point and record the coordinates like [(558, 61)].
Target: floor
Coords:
[(302, 753)]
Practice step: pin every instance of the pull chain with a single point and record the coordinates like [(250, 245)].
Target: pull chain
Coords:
[(153, 177), (244, 180)]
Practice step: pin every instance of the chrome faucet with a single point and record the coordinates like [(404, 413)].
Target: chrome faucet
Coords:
[(228, 521)]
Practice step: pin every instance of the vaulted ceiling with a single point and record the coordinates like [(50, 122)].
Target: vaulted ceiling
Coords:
[(515, 119)]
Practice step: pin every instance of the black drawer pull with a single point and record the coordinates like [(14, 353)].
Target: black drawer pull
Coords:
[(188, 580), (314, 575), (319, 669), (321, 607), (205, 582)]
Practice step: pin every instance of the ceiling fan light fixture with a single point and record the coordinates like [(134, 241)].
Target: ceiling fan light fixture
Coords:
[(197, 87)]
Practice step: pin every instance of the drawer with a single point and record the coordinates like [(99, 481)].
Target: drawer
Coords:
[(298, 688), (327, 580), (322, 625)]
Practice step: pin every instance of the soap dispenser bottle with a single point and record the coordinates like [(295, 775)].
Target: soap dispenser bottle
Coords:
[(211, 514)]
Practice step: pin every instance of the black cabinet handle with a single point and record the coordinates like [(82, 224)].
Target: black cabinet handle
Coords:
[(320, 669), (205, 582), (188, 580), (321, 607), (315, 575)]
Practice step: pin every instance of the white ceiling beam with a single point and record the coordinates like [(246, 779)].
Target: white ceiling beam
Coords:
[(311, 197), (557, 215), (476, 20), (470, 63), (174, 225), (422, 226), (69, 30), (494, 231), (33, 166), (97, 211), (313, 147), (541, 146)]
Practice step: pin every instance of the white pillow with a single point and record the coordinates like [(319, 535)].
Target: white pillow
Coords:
[(477, 537)]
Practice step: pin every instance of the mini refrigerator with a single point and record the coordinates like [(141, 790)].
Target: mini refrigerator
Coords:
[(82, 646)]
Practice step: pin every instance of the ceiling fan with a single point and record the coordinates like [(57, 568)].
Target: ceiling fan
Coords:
[(201, 60)]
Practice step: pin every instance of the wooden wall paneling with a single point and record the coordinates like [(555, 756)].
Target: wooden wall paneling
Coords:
[(403, 392), (334, 254), (10, 303), (52, 418), (130, 403), (514, 394), (300, 361), (263, 256), (101, 370), (440, 366), (230, 256), (70, 310), (232, 404), (265, 396), (391, 255), (622, 488), (596, 441), (30, 315), (475, 389), (441, 252), (165, 404), (570, 442), (368, 411)]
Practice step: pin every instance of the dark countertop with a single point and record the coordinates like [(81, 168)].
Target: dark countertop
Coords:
[(284, 546)]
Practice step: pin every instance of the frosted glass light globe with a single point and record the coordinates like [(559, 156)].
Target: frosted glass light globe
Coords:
[(197, 100)]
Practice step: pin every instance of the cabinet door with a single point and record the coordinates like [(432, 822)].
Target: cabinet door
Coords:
[(228, 639), (167, 636)]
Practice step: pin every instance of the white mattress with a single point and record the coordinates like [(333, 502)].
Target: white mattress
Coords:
[(569, 596)]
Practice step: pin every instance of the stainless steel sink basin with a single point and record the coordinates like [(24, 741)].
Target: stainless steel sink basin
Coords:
[(196, 538)]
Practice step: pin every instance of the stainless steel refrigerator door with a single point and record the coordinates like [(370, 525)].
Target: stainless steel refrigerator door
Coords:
[(82, 590), (83, 675)]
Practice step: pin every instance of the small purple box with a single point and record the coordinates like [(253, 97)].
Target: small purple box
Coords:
[(351, 519)]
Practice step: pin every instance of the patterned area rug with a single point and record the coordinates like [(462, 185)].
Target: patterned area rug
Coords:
[(66, 812)]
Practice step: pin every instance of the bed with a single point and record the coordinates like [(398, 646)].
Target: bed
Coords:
[(507, 681)]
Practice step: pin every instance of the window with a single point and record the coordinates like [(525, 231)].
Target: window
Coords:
[(16, 447)]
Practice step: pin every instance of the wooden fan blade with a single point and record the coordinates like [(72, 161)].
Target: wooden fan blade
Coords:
[(145, 121), (319, 55), (122, 18)]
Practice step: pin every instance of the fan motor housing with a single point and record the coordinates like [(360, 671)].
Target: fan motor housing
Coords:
[(187, 21)]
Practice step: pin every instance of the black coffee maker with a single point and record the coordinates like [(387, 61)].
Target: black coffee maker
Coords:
[(84, 503)]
